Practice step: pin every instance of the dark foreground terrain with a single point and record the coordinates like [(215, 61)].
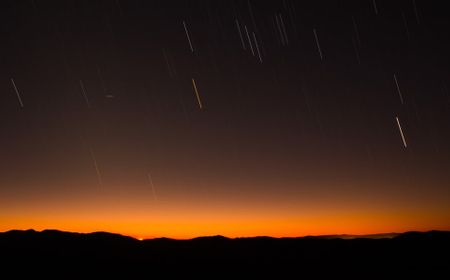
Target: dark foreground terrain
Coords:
[(66, 255)]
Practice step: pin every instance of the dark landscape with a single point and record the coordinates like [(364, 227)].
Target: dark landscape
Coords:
[(411, 253)]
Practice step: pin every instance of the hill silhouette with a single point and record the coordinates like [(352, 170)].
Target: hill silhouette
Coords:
[(102, 253)]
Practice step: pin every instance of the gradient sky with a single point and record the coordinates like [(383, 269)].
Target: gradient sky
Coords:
[(296, 141)]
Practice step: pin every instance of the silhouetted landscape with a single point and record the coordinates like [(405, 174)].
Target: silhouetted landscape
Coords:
[(49, 251)]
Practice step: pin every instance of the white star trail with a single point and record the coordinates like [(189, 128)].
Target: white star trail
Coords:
[(277, 21), (398, 89), (188, 37), (318, 45), (150, 180), (17, 93), (240, 34), (284, 30), (97, 170), (401, 132), (249, 40), (257, 47), (83, 90), (375, 6)]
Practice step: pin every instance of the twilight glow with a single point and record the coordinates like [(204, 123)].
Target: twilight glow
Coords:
[(236, 118)]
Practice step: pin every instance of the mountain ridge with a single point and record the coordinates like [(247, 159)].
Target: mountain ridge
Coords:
[(108, 254), (111, 234)]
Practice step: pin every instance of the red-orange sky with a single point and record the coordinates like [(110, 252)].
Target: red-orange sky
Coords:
[(305, 119), (230, 213)]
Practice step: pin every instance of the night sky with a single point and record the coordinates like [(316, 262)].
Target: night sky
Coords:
[(240, 118)]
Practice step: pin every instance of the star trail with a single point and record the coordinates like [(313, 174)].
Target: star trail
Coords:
[(240, 118)]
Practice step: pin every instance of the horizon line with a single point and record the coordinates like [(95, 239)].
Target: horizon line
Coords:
[(338, 235)]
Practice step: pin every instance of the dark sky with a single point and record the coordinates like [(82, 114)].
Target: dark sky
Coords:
[(299, 130)]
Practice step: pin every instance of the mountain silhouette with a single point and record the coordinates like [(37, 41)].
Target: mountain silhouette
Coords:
[(107, 254)]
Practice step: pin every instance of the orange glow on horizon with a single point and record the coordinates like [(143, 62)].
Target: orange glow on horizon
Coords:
[(228, 214), (189, 230), (149, 119), (182, 223)]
